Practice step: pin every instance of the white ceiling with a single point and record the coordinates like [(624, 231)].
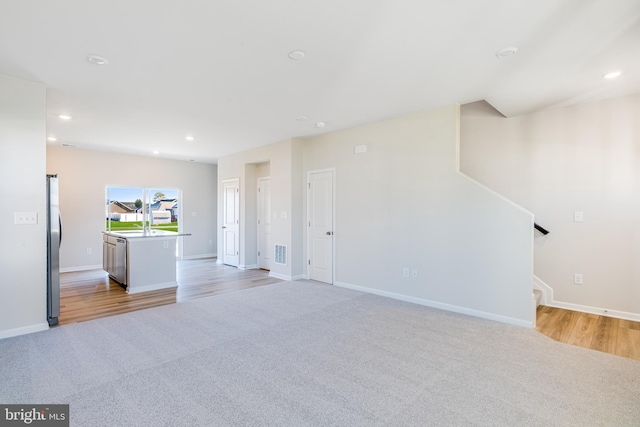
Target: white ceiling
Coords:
[(219, 69)]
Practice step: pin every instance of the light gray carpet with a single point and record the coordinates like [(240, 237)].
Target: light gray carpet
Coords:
[(305, 354)]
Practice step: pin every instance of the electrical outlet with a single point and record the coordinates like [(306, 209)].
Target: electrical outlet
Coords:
[(88, 251), (405, 272), (414, 273), (577, 279), (578, 216), (165, 244)]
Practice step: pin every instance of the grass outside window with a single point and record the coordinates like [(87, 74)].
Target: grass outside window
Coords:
[(137, 225)]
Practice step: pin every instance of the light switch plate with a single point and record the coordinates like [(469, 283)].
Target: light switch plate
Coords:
[(25, 218), (578, 216)]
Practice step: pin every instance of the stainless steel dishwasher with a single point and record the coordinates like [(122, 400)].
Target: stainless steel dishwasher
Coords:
[(120, 261)]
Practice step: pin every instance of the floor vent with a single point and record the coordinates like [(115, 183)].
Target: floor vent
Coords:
[(281, 254)]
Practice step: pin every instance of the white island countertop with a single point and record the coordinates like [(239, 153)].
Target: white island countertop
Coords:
[(139, 234)]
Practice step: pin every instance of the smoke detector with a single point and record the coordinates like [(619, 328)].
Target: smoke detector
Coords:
[(507, 52)]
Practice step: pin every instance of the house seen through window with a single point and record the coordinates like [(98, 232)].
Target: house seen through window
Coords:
[(134, 208)]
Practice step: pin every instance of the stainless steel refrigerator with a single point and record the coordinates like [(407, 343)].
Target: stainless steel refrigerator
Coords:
[(54, 240)]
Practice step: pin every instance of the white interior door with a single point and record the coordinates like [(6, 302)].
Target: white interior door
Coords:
[(231, 222), (320, 226), (265, 247)]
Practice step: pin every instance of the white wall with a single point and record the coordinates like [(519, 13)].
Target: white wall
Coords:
[(23, 260), (248, 166), (84, 176), (581, 158), (252, 171), (403, 204), (263, 169)]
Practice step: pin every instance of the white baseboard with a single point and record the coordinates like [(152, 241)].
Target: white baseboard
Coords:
[(548, 300), (81, 268), (200, 256), (38, 327), (285, 277), (248, 267), (154, 287), (596, 310), (439, 305), (494, 192)]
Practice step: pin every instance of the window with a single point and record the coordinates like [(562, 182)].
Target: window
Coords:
[(135, 208)]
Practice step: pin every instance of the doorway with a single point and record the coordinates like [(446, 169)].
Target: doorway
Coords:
[(231, 222), (320, 223)]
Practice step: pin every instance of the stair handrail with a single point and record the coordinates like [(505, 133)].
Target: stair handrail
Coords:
[(540, 229)]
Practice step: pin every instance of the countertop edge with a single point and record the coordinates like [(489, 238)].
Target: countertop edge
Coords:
[(147, 236)]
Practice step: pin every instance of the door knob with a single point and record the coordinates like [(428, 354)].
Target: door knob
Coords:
[(329, 233)]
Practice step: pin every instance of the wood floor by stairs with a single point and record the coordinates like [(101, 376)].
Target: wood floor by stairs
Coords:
[(87, 295), (607, 334)]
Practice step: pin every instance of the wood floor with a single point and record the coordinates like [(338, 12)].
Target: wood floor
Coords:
[(87, 295), (607, 334), (91, 294)]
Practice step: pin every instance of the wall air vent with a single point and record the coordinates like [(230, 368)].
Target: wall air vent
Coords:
[(280, 254)]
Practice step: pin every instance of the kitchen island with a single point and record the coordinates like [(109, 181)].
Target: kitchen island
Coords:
[(141, 261)]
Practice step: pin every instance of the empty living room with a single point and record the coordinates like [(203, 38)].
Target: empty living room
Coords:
[(364, 213)]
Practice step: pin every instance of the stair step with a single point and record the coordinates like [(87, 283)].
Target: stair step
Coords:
[(538, 296)]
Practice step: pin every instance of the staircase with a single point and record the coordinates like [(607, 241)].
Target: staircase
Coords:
[(538, 296)]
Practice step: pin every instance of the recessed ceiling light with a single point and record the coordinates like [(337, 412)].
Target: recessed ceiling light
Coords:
[(613, 74), (302, 118), (321, 124), (156, 152), (296, 55), (51, 138), (65, 117), (68, 145), (189, 138), (506, 52), (97, 59)]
